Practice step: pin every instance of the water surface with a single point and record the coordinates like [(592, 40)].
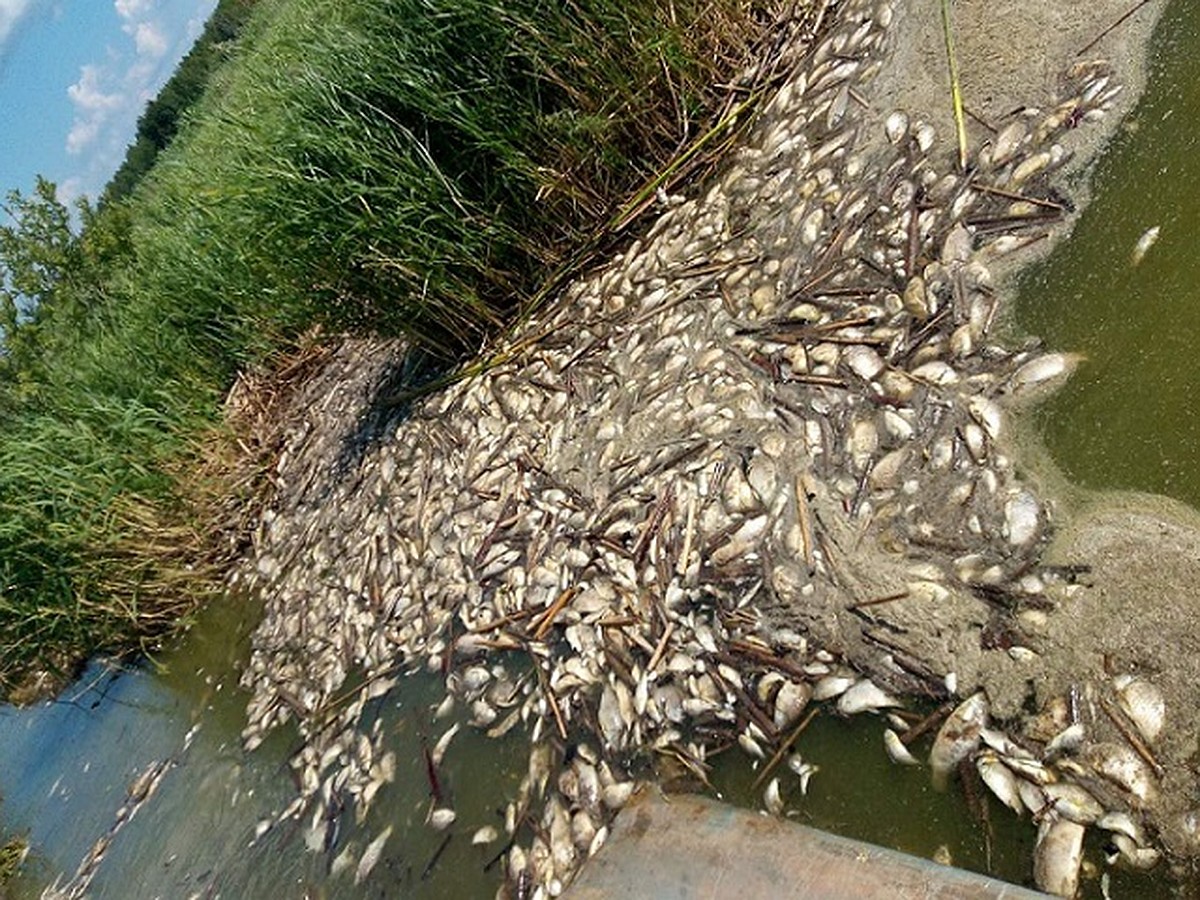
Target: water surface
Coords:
[(1130, 417)]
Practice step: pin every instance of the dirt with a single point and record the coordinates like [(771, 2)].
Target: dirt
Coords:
[(1014, 55), (1132, 607)]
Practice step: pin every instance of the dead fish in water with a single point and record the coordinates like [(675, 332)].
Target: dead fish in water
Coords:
[(958, 737), (1000, 780), (1144, 243), (1042, 375), (896, 750), (485, 835), (1074, 802), (803, 770), (772, 799), (865, 696), (1058, 855), (371, 856)]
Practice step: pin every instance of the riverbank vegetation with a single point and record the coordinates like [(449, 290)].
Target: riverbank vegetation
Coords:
[(392, 166)]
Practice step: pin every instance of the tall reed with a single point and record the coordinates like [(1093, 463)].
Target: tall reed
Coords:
[(412, 167)]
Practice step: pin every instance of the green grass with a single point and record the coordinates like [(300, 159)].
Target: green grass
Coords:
[(385, 166)]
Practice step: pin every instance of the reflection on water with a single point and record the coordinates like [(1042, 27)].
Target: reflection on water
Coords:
[(1129, 418), (65, 768)]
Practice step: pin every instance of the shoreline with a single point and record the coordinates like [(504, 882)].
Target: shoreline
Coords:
[(484, 418)]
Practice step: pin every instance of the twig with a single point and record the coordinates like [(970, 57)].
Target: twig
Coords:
[(661, 648), (437, 854), (1098, 38), (1013, 195), (784, 747), (552, 611), (934, 718), (805, 520), (876, 601), (960, 126), (1134, 741)]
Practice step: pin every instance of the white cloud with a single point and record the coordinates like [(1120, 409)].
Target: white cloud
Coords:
[(133, 9), (93, 107), (11, 12), (110, 94), (149, 39)]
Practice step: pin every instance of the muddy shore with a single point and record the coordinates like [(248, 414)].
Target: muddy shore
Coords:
[(704, 472)]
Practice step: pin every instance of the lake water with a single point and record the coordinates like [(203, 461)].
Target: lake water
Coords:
[(1129, 419)]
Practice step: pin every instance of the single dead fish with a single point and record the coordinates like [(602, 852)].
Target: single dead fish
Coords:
[(958, 737), (896, 750), (1057, 856), (1144, 243), (1000, 780), (371, 855)]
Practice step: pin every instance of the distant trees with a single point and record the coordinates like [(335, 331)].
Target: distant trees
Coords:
[(160, 121), (50, 272)]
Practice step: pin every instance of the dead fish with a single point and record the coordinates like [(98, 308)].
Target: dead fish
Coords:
[(1000, 780), (958, 737), (1074, 802), (1144, 243), (896, 750), (617, 794), (1121, 822), (752, 747), (485, 835), (615, 713), (371, 855), (1042, 375), (896, 126), (441, 819), (832, 685), (936, 372), (1137, 857), (1067, 740), (1021, 518), (772, 799), (790, 702), (865, 696), (1124, 768), (1057, 856), (439, 749), (803, 770), (1143, 702)]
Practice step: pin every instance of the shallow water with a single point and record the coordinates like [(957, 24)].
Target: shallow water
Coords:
[(1130, 417), (1125, 420), (65, 767)]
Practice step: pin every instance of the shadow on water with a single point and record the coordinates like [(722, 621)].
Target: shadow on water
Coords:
[(1127, 419)]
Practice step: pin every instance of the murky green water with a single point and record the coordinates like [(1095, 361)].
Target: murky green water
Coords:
[(1130, 418), (65, 768)]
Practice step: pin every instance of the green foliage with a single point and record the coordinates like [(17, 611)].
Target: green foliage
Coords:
[(398, 166), (416, 167), (160, 121)]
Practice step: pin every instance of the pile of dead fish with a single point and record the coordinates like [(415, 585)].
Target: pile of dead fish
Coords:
[(638, 535)]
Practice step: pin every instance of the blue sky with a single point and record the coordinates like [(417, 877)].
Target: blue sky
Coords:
[(75, 76)]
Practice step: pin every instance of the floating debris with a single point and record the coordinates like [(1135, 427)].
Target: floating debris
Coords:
[(775, 423), (1148, 239)]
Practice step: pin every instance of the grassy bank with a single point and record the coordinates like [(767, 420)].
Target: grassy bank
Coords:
[(391, 166)]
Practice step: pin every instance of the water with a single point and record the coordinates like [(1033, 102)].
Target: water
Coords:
[(65, 767), (1126, 420)]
